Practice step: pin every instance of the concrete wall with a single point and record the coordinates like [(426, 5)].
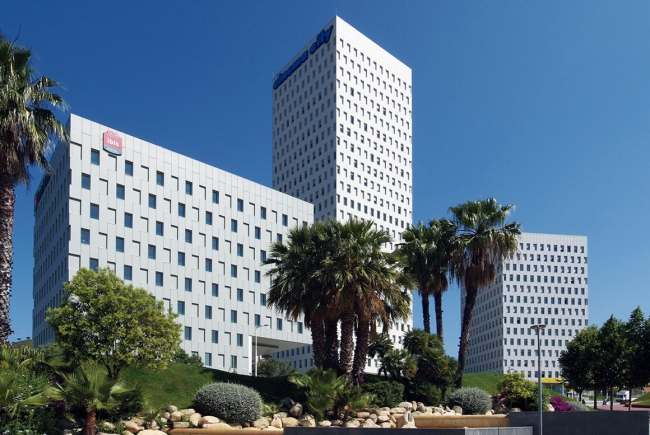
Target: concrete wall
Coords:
[(592, 423), (442, 431)]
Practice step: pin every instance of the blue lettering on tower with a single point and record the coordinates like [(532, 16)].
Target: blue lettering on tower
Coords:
[(322, 38)]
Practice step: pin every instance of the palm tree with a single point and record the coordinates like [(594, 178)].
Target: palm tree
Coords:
[(90, 388), (27, 127), (426, 254), (486, 239)]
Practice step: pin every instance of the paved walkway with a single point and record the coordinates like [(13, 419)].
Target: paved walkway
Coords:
[(617, 407)]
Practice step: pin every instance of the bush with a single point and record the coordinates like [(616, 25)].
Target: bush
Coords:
[(516, 391), (233, 403), (131, 403), (472, 400), (578, 406), (559, 405), (534, 391), (387, 393)]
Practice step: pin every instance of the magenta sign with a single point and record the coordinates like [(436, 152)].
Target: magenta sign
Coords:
[(112, 143)]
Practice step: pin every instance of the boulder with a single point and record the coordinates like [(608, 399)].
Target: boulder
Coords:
[(352, 423), (384, 412), (282, 414), (406, 421), (325, 423), (384, 408), (153, 424), (296, 410), (181, 424), (363, 415), (421, 407), (382, 418), (440, 410), (276, 422), (171, 408), (307, 420), (187, 412), (194, 419), (408, 406), (132, 426), (337, 423), (216, 426), (260, 423), (289, 422), (373, 417), (414, 406), (176, 416), (398, 410), (489, 412), (167, 415), (208, 419), (369, 423), (550, 408), (385, 425), (458, 410)]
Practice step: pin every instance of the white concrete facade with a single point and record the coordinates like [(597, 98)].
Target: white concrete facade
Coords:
[(342, 137), (191, 234), (545, 282)]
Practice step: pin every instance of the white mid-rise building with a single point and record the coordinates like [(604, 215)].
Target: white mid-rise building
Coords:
[(544, 283), (191, 234), (342, 135)]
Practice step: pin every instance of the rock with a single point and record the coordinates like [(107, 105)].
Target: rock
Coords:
[(369, 423), (488, 412), (382, 418), (181, 424), (132, 426), (500, 409), (171, 408), (176, 416), (352, 423), (458, 410), (436, 413), (550, 408), (108, 425), (408, 406), (398, 410), (163, 420), (138, 421), (307, 420), (438, 409), (385, 425), (392, 418), (187, 412), (296, 410), (282, 414), (363, 415), (216, 426), (289, 422), (421, 407), (260, 423), (208, 419), (449, 413), (287, 403), (373, 417), (126, 432), (276, 422), (235, 426), (325, 423), (515, 410), (384, 408), (406, 421), (447, 409), (153, 425), (414, 406), (337, 423), (385, 412), (166, 415), (194, 419)]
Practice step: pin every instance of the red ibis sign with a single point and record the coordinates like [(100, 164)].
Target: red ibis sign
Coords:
[(112, 143)]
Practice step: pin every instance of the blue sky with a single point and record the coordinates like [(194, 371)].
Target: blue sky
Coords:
[(545, 105)]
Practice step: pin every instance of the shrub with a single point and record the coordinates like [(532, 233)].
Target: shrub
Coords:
[(472, 400), (534, 391), (578, 406), (516, 390), (233, 403), (560, 405), (387, 393), (131, 403)]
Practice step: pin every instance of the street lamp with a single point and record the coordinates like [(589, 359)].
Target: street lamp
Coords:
[(537, 328), (258, 326)]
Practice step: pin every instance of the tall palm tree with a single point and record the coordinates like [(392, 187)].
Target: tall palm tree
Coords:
[(426, 254), (485, 239), (27, 127), (90, 388)]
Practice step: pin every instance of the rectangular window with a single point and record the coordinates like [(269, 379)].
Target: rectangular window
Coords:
[(299, 327), (208, 359), (262, 255), (215, 197), (152, 201), (258, 276), (159, 279), (188, 333), (215, 243), (233, 316), (128, 273), (128, 220), (240, 295), (160, 178), (160, 228), (93, 264), (258, 320), (188, 187), (240, 340), (181, 258), (181, 210), (128, 168), (233, 361), (263, 212), (85, 181), (240, 205), (151, 252), (278, 324), (240, 250), (208, 312), (285, 220), (85, 236), (233, 225), (119, 244), (188, 236), (94, 157), (181, 307), (208, 265), (94, 211), (188, 284), (208, 218), (233, 271), (119, 191), (279, 237), (263, 299), (215, 290), (258, 233), (215, 336)]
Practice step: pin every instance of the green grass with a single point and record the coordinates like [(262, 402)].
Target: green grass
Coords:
[(485, 381), (178, 384), (643, 400)]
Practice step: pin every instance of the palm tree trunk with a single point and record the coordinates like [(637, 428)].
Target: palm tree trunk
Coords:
[(347, 341), (437, 298), (361, 352), (318, 342), (7, 201), (470, 301), (425, 311), (89, 427), (331, 344)]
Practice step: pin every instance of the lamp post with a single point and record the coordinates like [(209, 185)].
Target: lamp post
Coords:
[(537, 328), (258, 326)]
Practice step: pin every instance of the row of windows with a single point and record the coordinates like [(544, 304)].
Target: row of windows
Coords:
[(548, 248), (518, 278)]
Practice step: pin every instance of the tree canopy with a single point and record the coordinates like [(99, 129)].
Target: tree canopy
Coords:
[(106, 321)]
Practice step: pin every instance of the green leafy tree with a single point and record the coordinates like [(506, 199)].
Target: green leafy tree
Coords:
[(28, 126), (89, 387), (517, 389), (322, 388), (485, 238), (103, 320), (637, 370), (611, 364), (399, 364), (416, 340), (380, 346), (271, 367), (438, 369), (184, 358), (578, 361)]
